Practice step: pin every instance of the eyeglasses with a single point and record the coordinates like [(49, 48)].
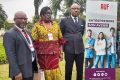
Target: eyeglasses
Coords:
[(22, 18), (75, 8)]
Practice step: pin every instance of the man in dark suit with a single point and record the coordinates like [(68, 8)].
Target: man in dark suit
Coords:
[(72, 28), (19, 49)]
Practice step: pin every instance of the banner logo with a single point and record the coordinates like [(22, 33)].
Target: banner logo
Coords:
[(104, 6)]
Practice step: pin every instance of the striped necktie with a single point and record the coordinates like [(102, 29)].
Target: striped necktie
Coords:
[(75, 19), (26, 36)]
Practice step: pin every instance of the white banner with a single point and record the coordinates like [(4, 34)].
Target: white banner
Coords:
[(102, 12), (100, 42)]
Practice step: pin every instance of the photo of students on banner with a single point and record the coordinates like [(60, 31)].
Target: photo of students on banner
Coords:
[(100, 54), (103, 48)]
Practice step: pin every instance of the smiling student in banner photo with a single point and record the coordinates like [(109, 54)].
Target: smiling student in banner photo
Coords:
[(111, 50), (100, 49), (89, 49)]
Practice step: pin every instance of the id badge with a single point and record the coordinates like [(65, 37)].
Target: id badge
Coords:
[(50, 36)]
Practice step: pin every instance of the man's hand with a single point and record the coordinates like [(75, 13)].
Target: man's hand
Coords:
[(18, 77)]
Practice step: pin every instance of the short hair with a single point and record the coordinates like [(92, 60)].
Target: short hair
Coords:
[(44, 10), (112, 28), (75, 2), (89, 30)]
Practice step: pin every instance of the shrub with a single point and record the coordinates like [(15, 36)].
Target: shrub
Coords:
[(8, 25), (29, 26), (3, 58)]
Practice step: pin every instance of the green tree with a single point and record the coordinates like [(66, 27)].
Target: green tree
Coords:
[(118, 12), (7, 25), (55, 5), (3, 17), (37, 4)]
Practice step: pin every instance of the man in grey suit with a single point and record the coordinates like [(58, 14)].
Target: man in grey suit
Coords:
[(19, 49), (72, 28)]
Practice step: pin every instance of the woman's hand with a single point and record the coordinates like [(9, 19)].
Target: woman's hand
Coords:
[(61, 56)]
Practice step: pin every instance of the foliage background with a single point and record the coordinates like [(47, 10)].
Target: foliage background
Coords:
[(3, 59), (55, 5)]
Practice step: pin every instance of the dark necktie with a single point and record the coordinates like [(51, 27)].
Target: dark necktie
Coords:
[(75, 19), (26, 36)]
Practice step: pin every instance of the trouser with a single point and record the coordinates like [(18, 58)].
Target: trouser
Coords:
[(101, 59), (70, 58), (111, 59), (88, 62)]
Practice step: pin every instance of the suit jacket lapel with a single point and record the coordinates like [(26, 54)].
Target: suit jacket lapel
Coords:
[(79, 22), (71, 20), (75, 26), (22, 37)]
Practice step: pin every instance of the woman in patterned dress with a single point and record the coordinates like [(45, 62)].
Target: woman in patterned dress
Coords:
[(48, 43)]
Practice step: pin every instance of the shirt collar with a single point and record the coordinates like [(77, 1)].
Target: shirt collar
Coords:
[(74, 19), (18, 28)]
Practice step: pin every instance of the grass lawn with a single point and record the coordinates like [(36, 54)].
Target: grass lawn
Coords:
[(118, 74), (4, 72)]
